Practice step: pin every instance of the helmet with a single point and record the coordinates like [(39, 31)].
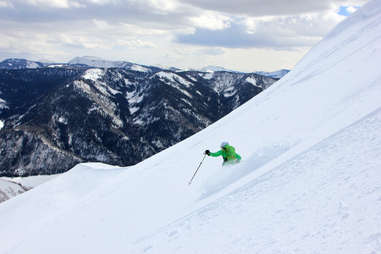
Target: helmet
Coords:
[(223, 144)]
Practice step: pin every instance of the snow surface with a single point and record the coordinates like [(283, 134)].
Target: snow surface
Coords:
[(31, 65), (172, 77), (9, 189), (31, 181), (3, 104), (1, 124), (174, 80), (13, 186), (140, 68), (192, 78), (55, 65), (134, 97), (309, 181), (224, 83), (133, 110), (101, 96), (251, 81), (93, 74), (208, 75)]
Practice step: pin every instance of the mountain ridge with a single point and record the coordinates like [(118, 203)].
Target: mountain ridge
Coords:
[(92, 61), (67, 115)]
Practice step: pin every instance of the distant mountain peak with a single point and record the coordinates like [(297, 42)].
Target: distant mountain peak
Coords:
[(20, 63), (94, 61), (212, 68)]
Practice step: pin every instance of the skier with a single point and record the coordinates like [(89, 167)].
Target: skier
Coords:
[(227, 152)]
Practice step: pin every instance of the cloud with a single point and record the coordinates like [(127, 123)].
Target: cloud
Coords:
[(211, 20), (91, 37), (5, 4), (236, 36), (148, 31), (211, 51), (164, 5), (257, 8), (279, 32), (351, 9), (51, 3), (152, 12)]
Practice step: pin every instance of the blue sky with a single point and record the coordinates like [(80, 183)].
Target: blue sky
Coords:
[(244, 35), (347, 10)]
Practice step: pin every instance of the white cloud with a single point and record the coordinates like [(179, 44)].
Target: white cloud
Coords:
[(170, 32), (5, 4), (101, 24), (141, 30), (279, 32), (211, 51), (211, 20), (312, 24), (257, 8), (60, 4), (57, 43), (50, 3), (163, 5), (135, 43), (351, 9), (100, 2)]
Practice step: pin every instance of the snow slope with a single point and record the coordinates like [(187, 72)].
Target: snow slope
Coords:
[(13, 186), (309, 181), (9, 189)]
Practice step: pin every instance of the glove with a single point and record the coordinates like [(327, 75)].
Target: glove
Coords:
[(207, 152)]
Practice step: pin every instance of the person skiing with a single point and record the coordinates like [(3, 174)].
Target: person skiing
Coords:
[(227, 152)]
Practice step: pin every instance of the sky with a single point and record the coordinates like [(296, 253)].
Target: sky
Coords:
[(242, 35)]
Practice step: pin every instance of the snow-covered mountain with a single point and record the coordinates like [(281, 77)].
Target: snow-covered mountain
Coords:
[(95, 62), (309, 181), (85, 61), (17, 63), (92, 61), (275, 74), (212, 68), (98, 62), (128, 114)]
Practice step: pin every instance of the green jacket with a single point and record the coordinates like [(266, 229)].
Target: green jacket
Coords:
[(228, 154)]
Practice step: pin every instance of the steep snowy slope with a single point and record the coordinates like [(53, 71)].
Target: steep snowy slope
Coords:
[(309, 181)]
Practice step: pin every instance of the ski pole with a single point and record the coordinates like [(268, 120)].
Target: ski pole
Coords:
[(197, 170)]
